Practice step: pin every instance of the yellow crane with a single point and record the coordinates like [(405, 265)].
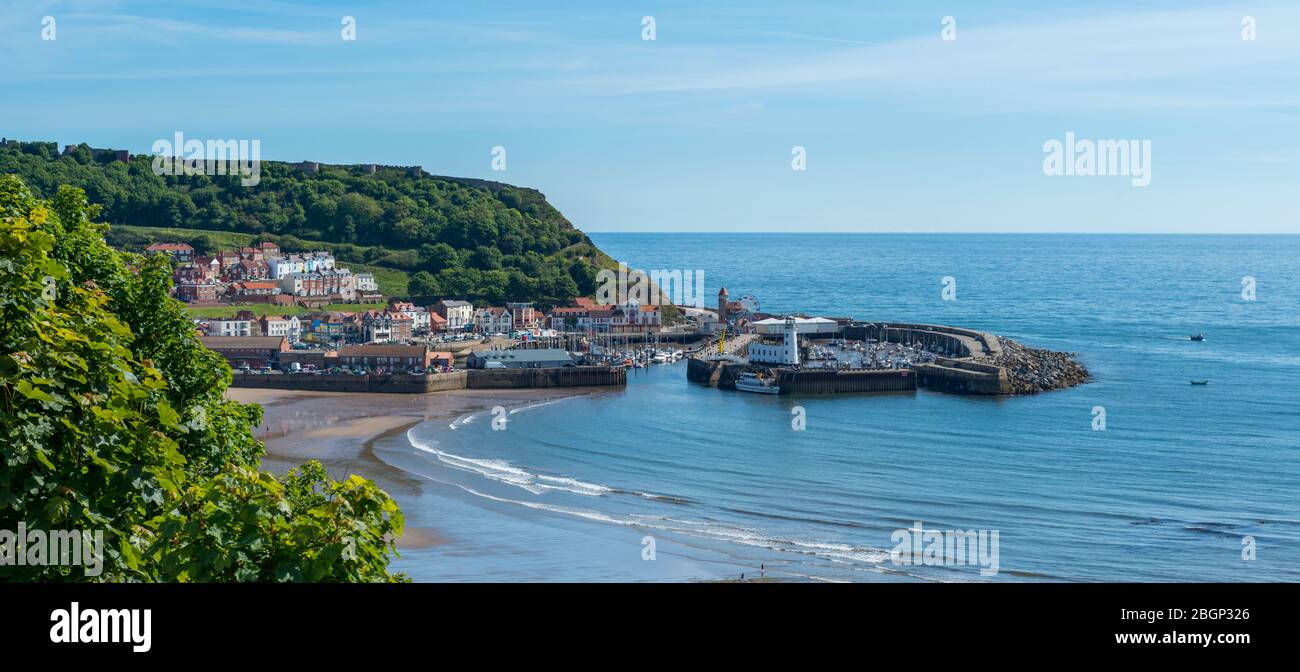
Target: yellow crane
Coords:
[(722, 341)]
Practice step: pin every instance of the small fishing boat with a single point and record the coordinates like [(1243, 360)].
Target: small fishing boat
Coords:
[(1197, 337), (1200, 382), (751, 382)]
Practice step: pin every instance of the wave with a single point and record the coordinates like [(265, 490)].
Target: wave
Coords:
[(834, 552), (502, 471)]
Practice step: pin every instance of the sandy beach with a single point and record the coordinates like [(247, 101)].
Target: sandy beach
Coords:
[(340, 429)]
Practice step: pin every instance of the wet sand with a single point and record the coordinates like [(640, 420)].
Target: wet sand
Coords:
[(340, 429)]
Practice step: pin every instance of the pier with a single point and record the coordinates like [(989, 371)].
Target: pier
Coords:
[(956, 361)]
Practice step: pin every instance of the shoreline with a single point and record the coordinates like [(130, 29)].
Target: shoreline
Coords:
[(340, 429)]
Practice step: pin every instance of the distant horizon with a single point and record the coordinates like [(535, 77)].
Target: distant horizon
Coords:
[(1210, 234), (896, 117)]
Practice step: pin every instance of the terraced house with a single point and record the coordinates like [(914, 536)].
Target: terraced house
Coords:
[(383, 326), (493, 321)]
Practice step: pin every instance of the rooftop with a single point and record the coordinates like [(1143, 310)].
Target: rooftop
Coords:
[(383, 350), (529, 355)]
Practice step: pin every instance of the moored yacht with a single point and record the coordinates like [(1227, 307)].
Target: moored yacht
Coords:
[(751, 382)]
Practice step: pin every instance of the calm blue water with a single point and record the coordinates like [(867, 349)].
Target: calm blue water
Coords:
[(572, 488)]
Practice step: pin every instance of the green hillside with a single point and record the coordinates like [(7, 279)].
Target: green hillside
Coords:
[(392, 282), (422, 235)]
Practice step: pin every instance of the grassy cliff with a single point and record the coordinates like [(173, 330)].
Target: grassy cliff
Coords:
[(422, 235)]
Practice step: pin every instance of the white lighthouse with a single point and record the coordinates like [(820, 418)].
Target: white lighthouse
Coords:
[(785, 353), (791, 355)]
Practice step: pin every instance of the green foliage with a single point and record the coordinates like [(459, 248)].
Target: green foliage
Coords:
[(114, 419), (394, 219)]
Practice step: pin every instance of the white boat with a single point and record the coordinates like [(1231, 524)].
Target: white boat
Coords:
[(750, 382)]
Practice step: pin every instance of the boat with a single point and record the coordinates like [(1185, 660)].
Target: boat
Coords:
[(1197, 337), (1200, 382), (751, 382)]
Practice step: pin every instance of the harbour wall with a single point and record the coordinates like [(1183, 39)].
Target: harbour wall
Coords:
[(829, 381), (960, 377), (404, 383), (565, 376), (398, 383), (723, 374), (956, 341), (954, 374)]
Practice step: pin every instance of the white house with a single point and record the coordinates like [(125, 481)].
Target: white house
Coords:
[(493, 320), (288, 326), (366, 282), (283, 267), (418, 314), (459, 314), (230, 327)]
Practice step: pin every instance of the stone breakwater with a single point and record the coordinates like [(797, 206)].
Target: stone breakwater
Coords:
[(1033, 370), (977, 363)]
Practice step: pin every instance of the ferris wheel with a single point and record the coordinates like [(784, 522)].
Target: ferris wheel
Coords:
[(746, 315)]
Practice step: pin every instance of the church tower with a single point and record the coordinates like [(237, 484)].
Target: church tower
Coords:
[(722, 305)]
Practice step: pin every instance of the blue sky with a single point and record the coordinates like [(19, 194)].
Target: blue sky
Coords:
[(693, 131)]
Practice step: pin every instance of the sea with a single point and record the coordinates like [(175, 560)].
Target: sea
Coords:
[(1137, 475)]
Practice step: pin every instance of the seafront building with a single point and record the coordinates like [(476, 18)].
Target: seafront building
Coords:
[(774, 326), (288, 326), (519, 359), (784, 352), (385, 326), (247, 352), (625, 318), (459, 314), (392, 357), (493, 321)]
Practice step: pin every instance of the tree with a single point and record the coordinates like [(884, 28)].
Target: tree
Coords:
[(423, 223), (423, 284), (204, 245), (114, 420)]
